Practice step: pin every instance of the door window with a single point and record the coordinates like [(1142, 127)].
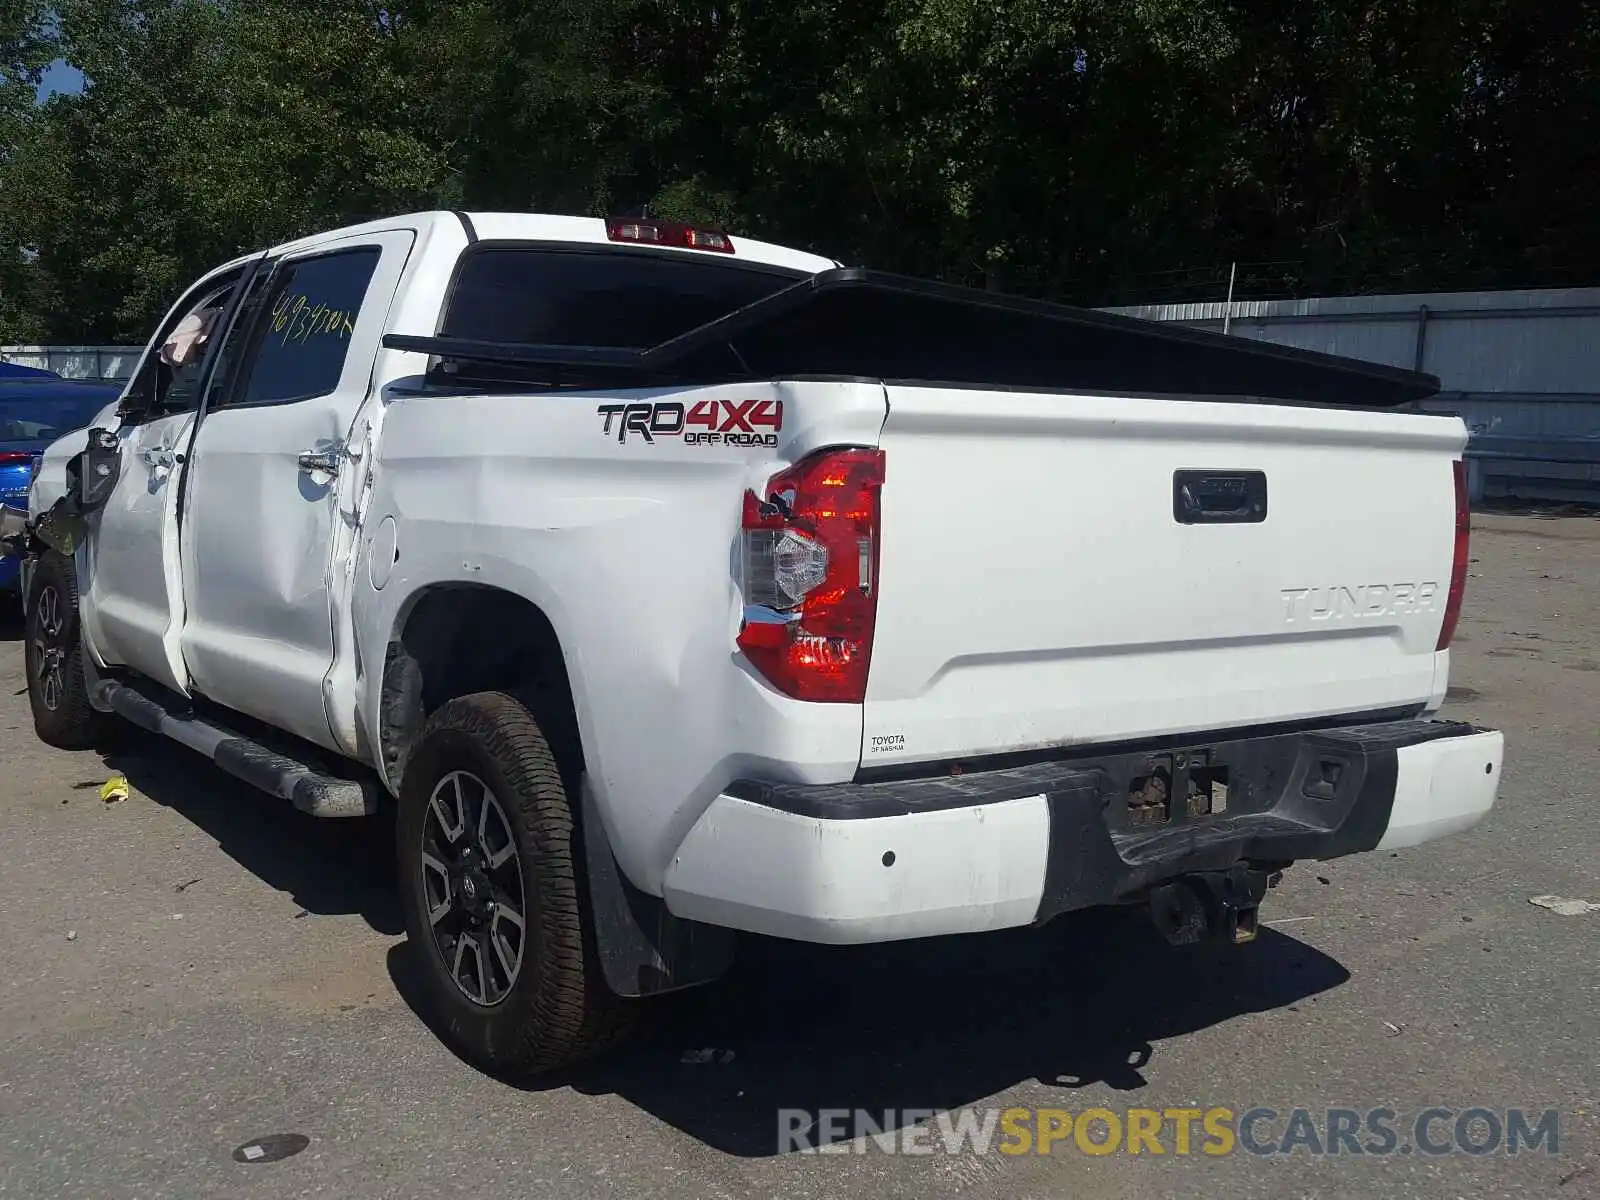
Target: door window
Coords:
[(303, 327), (181, 348), (237, 341)]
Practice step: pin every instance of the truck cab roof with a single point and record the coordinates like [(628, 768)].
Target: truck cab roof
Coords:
[(535, 227)]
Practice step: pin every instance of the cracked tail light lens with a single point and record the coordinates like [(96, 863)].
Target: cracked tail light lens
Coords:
[(810, 562)]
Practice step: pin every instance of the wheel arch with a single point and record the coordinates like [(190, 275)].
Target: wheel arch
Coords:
[(436, 654), (453, 638)]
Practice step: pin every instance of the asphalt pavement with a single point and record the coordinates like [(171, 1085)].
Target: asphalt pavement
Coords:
[(191, 971)]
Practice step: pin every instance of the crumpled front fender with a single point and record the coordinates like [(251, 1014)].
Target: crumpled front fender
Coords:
[(13, 529)]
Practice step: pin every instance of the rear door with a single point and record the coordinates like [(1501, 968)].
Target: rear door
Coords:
[(1045, 580), (265, 497)]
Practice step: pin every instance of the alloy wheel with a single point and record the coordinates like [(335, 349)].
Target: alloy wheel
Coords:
[(48, 648), (472, 888)]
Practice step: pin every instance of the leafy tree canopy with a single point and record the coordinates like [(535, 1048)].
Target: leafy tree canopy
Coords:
[(1093, 150)]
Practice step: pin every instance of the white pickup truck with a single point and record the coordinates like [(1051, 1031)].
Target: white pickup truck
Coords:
[(674, 584)]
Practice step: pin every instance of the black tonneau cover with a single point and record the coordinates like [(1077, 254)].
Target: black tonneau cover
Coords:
[(859, 323)]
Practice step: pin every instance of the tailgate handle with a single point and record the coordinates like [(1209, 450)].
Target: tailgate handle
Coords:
[(1201, 497)]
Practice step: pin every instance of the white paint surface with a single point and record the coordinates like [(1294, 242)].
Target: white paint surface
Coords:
[(961, 870), (260, 532), (1037, 590), (1444, 787)]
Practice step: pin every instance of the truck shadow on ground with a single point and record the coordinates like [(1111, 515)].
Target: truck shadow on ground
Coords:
[(329, 868), (1082, 1003), (932, 1025)]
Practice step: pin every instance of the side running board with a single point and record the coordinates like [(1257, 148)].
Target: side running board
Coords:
[(271, 770)]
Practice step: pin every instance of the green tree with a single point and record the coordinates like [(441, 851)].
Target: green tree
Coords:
[(1093, 150), (206, 130), (27, 47)]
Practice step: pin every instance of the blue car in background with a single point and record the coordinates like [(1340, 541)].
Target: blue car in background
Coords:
[(36, 408)]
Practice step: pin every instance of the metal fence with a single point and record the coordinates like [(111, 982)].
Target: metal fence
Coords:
[(103, 363), (1522, 368)]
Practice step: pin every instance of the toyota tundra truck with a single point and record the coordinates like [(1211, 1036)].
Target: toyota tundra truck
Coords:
[(673, 586)]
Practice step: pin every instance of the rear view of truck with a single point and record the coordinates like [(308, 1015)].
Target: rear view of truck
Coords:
[(1131, 614), (690, 585), (893, 610)]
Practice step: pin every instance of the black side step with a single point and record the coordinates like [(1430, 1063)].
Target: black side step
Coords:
[(271, 770)]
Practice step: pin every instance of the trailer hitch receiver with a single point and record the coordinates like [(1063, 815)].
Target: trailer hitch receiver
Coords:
[(1220, 905)]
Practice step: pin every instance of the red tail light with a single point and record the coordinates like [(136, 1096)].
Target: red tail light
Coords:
[(811, 575), (15, 458), (667, 233), (1458, 569)]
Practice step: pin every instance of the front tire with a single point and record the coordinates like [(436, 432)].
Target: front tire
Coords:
[(495, 909), (58, 691)]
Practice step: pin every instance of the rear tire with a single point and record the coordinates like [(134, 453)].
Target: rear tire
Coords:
[(496, 909), (58, 692)]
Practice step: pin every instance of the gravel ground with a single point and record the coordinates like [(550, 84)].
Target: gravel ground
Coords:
[(198, 966)]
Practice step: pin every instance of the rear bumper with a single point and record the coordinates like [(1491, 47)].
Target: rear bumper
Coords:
[(989, 850)]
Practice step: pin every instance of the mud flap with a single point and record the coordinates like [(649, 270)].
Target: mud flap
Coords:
[(644, 949)]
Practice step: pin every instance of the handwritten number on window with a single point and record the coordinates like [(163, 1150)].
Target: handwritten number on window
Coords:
[(296, 320)]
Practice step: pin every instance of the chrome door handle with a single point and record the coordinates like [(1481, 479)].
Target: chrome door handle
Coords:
[(159, 457), (326, 461)]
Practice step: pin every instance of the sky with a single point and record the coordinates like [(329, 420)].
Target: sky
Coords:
[(58, 77)]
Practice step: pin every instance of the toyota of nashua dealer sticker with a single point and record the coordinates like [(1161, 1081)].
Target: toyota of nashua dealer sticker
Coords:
[(706, 423)]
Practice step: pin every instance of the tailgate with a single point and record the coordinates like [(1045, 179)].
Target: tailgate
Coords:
[(1038, 588)]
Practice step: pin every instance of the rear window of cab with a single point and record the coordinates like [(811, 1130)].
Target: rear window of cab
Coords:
[(624, 298)]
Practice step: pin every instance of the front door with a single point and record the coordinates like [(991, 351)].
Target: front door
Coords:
[(130, 557), (264, 490)]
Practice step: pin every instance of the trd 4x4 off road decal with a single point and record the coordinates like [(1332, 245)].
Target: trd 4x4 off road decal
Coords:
[(708, 423)]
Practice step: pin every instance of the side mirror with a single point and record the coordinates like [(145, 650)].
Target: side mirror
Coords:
[(90, 477), (101, 465)]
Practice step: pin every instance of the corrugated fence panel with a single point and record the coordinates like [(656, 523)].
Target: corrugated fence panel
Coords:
[(1375, 341), (1526, 354), (1521, 368), (108, 363)]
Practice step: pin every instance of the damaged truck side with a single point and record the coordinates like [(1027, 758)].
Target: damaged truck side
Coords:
[(673, 586)]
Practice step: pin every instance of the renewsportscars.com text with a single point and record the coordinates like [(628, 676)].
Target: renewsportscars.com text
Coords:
[(1179, 1132)]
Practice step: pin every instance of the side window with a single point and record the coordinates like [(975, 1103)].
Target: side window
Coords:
[(303, 327), (181, 349), (238, 341)]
